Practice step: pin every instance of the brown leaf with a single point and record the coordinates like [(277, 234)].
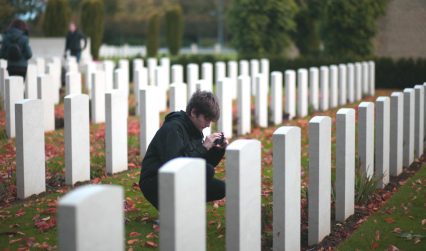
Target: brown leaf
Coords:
[(151, 244), (151, 235), (134, 234), (374, 245), (15, 241), (389, 220), (417, 240), (423, 221), (132, 241)]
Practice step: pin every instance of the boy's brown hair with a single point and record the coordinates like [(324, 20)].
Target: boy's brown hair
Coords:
[(205, 103)]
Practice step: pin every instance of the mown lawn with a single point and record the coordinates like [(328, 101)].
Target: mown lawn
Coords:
[(400, 224)]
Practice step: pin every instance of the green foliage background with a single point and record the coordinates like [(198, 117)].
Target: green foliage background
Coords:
[(261, 28), (153, 42), (92, 22), (174, 28), (56, 18)]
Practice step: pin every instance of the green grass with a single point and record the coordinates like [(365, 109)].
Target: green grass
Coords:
[(392, 224)]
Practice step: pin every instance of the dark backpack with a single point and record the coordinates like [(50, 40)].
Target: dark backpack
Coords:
[(14, 51)]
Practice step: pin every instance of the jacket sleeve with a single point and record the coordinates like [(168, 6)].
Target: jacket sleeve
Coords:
[(27, 49), (215, 155), (3, 50)]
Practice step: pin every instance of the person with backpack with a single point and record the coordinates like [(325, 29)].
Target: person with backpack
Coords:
[(73, 41), (15, 48)]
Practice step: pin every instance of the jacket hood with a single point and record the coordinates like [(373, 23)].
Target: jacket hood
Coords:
[(182, 118), (14, 33)]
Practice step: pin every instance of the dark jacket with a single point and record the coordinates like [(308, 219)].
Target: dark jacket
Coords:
[(73, 41), (178, 137), (21, 37)]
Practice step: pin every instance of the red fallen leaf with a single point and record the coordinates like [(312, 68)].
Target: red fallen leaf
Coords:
[(393, 248), (96, 180), (132, 241), (52, 203), (135, 186), (50, 210), (130, 249), (374, 245), (151, 235), (45, 224), (20, 212), (134, 234), (211, 222), (423, 221), (389, 220), (417, 240), (129, 205), (132, 165), (23, 249), (151, 244)]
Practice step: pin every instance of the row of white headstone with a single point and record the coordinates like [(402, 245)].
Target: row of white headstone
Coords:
[(392, 126)]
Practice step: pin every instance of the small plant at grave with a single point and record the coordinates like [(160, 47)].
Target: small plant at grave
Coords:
[(364, 187), (133, 142)]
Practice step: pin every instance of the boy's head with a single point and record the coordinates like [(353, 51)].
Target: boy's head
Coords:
[(203, 103)]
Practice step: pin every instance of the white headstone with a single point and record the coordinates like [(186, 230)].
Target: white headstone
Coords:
[(192, 77), (302, 93), (72, 83), (286, 180), (345, 163), (366, 138), (89, 69), (358, 81), (31, 82), (14, 92), (140, 80), (91, 217), (314, 88), (324, 80), (108, 67), (319, 188), (342, 84), (152, 63), (3, 63), (45, 93), (30, 156), (162, 88), (41, 66), (408, 139), (396, 133), (277, 97), (372, 77), (98, 97), (243, 200), (254, 70), (233, 75), (165, 64), (54, 82), (334, 80), (381, 172), (244, 67), (224, 124), (124, 65), (77, 138), (290, 93), (365, 78), (183, 204), (178, 100), (115, 132), (244, 104), (177, 73), (419, 120), (261, 101), (207, 74), (149, 118), (3, 75), (220, 71), (350, 83)]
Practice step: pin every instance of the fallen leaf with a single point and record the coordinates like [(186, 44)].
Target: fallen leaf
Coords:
[(151, 235), (397, 230), (134, 234), (377, 235), (15, 241), (20, 212), (374, 245), (417, 240), (132, 241), (389, 220), (423, 221), (151, 244), (393, 248)]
